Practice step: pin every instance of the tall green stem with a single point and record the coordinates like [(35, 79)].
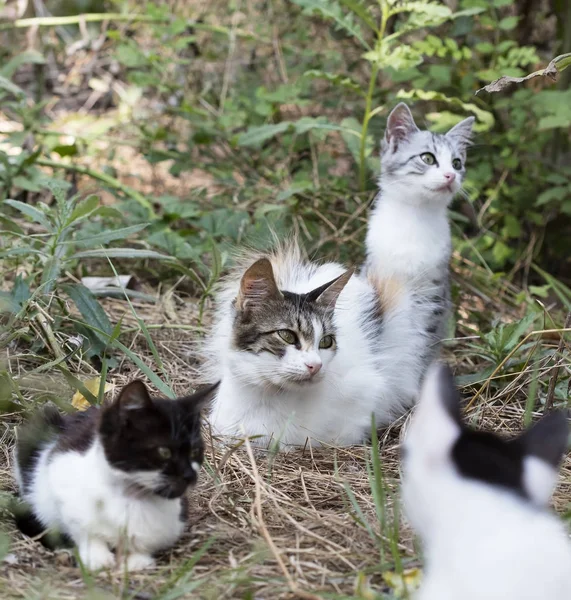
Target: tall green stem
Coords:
[(364, 129), (369, 100)]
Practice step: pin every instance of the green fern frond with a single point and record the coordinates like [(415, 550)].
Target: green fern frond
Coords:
[(330, 9)]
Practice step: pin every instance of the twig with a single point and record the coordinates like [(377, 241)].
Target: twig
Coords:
[(511, 353), (107, 179), (555, 370), (266, 534)]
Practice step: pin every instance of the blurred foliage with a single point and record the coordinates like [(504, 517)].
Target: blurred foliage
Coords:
[(273, 112)]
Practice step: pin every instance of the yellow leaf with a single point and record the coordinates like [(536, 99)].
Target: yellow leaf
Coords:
[(78, 401), (363, 589), (405, 583)]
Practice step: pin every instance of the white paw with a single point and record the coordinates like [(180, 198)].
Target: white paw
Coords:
[(138, 562), (97, 556)]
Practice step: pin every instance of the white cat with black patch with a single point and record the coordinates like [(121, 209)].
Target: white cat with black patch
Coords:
[(112, 478), (294, 366), (479, 503)]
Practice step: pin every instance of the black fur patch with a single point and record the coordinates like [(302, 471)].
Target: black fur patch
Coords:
[(486, 457)]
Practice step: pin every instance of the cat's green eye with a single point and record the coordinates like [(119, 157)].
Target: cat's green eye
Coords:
[(457, 164), (326, 342), (287, 336), (164, 452), (428, 158)]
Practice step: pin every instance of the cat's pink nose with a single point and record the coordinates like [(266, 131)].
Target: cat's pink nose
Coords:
[(450, 177), (313, 367)]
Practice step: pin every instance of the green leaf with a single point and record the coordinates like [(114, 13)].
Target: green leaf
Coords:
[(554, 193), (256, 136), (8, 86), (508, 23), (31, 211), (513, 332), (353, 142), (429, 11), (28, 57), (4, 545), (362, 11), (121, 253), (21, 291), (554, 122), (470, 12), (296, 187), (484, 117), (90, 309), (51, 272), (330, 9), (100, 239), (337, 80), (130, 56), (83, 209), (396, 56)]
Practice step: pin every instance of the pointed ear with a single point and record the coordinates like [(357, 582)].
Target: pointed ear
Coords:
[(436, 423), (134, 396), (461, 134), (257, 286), (547, 439), (400, 126), (543, 446), (201, 398), (328, 294)]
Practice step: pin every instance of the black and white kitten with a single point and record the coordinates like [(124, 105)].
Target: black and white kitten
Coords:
[(479, 503), (112, 478)]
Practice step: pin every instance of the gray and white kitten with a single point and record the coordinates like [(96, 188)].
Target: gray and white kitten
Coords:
[(408, 240)]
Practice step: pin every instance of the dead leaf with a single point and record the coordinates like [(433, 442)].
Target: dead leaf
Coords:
[(405, 583), (558, 64), (79, 402)]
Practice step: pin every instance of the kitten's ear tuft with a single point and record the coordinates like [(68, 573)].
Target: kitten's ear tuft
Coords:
[(448, 393), (328, 294), (461, 133), (201, 397), (134, 396), (400, 126), (547, 439), (257, 286), (436, 423), (543, 446)]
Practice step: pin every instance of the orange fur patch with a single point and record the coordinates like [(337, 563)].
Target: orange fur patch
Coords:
[(389, 290)]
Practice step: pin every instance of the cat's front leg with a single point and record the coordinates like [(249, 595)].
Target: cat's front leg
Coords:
[(138, 561), (95, 554)]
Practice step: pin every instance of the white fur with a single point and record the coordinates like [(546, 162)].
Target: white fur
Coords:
[(539, 479), (336, 406), (84, 497), (480, 541), (408, 250)]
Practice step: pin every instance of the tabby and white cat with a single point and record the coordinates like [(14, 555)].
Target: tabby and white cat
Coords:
[(112, 478), (479, 503), (294, 367)]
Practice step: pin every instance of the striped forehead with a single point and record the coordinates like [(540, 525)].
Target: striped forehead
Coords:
[(426, 141)]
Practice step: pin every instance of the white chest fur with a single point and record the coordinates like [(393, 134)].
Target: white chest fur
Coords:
[(487, 543), (407, 240)]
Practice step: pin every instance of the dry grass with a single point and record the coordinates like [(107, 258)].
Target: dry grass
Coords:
[(263, 525)]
